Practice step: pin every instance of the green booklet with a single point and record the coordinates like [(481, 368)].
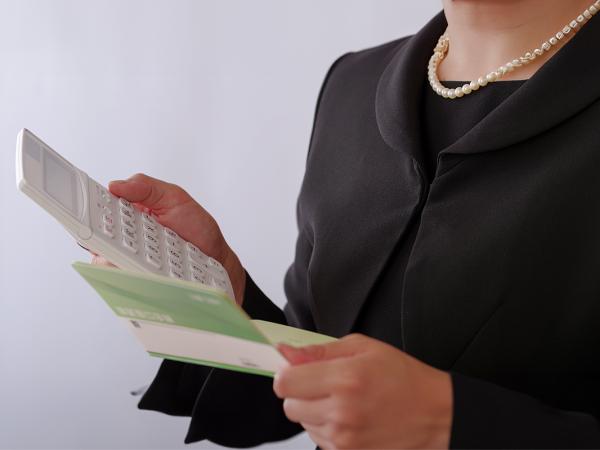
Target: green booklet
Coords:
[(189, 322)]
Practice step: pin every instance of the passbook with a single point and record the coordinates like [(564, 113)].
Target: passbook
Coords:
[(190, 322)]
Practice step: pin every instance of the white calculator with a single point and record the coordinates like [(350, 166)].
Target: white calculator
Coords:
[(107, 225)]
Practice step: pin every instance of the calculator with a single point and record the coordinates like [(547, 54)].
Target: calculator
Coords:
[(107, 225)]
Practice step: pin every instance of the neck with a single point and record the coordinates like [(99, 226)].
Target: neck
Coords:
[(485, 34)]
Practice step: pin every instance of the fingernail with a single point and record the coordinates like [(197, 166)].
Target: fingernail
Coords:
[(118, 181)]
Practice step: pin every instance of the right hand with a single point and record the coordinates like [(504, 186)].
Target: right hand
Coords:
[(174, 208)]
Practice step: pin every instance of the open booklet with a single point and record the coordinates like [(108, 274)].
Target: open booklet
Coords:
[(189, 322)]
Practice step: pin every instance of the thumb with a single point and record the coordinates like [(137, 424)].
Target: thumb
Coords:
[(142, 189), (345, 347)]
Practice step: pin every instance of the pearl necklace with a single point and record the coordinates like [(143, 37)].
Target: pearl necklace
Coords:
[(441, 49)]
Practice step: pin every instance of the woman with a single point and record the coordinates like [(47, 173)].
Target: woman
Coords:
[(455, 224)]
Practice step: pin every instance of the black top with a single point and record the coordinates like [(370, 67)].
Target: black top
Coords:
[(501, 285), (443, 121)]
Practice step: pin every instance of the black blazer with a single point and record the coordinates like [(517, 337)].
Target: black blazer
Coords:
[(502, 286)]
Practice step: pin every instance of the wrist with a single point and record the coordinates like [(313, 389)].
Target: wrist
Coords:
[(440, 410)]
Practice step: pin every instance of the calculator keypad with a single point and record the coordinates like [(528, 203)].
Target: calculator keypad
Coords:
[(159, 248)]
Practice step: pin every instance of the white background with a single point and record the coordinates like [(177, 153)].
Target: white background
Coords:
[(215, 95)]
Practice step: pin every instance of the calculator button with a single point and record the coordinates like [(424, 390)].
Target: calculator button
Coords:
[(213, 262), (130, 233), (175, 273), (106, 210), (129, 244), (147, 218), (152, 249), (199, 277), (199, 267), (194, 252), (108, 230), (149, 228), (175, 263), (174, 253), (124, 203), (127, 222), (107, 219), (173, 243), (216, 266), (218, 283), (170, 233), (127, 213), (220, 272), (150, 238), (153, 260)]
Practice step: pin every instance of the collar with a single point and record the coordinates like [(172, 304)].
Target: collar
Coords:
[(566, 84)]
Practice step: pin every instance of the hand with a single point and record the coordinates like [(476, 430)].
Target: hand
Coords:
[(359, 392), (101, 261), (176, 209)]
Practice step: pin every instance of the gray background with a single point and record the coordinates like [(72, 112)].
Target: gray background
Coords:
[(217, 96)]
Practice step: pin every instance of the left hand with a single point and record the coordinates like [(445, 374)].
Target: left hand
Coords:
[(359, 392)]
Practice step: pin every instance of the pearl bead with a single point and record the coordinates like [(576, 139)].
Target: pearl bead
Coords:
[(441, 49)]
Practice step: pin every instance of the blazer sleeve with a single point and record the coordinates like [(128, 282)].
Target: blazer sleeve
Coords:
[(489, 416), (232, 408)]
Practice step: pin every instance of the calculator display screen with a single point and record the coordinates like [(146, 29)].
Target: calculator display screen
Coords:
[(60, 182)]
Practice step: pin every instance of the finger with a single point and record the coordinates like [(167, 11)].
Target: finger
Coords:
[(347, 346), (308, 381), (319, 435), (147, 191), (100, 261), (313, 412)]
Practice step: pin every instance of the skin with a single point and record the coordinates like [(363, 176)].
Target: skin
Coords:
[(173, 207), (359, 392), (485, 34)]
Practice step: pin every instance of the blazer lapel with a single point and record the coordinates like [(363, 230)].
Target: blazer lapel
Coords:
[(399, 90), (565, 85), (561, 88), (390, 195)]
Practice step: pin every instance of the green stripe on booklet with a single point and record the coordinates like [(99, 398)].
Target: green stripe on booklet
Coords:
[(189, 322)]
